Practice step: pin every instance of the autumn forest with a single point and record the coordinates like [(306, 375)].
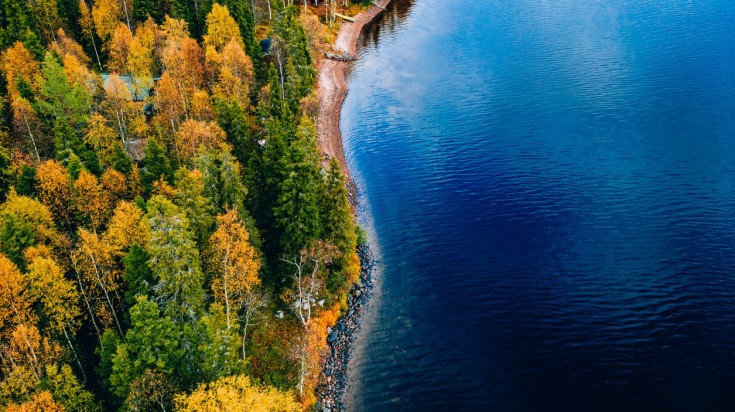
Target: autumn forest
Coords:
[(171, 238)]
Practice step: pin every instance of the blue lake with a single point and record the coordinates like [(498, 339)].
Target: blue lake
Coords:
[(551, 188)]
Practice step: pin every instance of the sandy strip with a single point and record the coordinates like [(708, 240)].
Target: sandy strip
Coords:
[(332, 89)]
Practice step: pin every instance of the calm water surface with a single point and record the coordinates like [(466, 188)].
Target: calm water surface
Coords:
[(551, 186)]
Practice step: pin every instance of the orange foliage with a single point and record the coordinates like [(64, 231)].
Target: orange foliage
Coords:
[(195, 135), (92, 203), (119, 47), (43, 402), (18, 64)]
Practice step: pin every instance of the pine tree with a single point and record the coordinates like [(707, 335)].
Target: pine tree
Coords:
[(339, 229), (174, 260), (157, 166)]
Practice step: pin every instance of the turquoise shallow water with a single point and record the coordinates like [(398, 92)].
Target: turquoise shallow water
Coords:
[(551, 186)]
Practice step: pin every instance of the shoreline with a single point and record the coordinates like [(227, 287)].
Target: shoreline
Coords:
[(332, 91)]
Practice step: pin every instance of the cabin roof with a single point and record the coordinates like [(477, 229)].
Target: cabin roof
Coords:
[(139, 87)]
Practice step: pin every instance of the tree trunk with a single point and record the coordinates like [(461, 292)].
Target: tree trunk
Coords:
[(73, 351)]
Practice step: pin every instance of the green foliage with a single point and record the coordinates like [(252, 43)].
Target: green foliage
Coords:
[(174, 261), (153, 342), (6, 173), (16, 24), (144, 8), (119, 159), (297, 208), (58, 99), (194, 13), (26, 181), (338, 226), (220, 350), (138, 275), (67, 390), (157, 166), (192, 199)]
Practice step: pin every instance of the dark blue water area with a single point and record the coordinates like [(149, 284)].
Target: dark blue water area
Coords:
[(551, 188)]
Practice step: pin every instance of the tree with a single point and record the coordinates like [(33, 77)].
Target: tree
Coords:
[(25, 222), (236, 393), (144, 9), (171, 106), (338, 226), (138, 276), (15, 304), (297, 209), (26, 181), (58, 297), (152, 390), (41, 402), (128, 119), (106, 15), (65, 46), (119, 48), (141, 55), (46, 16), (91, 202), (191, 198), (174, 261), (67, 108), (19, 65), (27, 124), (220, 347), (236, 265), (222, 181), (157, 166), (221, 28), (67, 390), (54, 190), (124, 229), (309, 272), (86, 23), (99, 278), (151, 343), (194, 135), (235, 75)]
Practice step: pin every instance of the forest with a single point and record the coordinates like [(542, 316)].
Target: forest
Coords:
[(171, 238)]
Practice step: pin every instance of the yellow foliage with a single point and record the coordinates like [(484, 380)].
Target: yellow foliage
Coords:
[(15, 309), (235, 74), (106, 15), (54, 189), (124, 229), (235, 261), (58, 295), (175, 30), (236, 394), (221, 28)]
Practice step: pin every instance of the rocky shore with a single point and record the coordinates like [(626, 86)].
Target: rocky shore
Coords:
[(333, 377)]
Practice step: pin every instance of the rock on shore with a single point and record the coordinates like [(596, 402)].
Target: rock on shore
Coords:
[(333, 377)]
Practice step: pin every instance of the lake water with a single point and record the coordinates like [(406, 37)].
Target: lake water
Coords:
[(551, 188)]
